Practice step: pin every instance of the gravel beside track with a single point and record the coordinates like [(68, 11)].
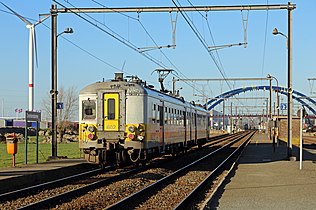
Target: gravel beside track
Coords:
[(171, 195), (108, 195), (47, 192)]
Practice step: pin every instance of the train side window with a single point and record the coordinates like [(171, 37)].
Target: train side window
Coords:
[(88, 109), (158, 115), (166, 115), (154, 113), (181, 117)]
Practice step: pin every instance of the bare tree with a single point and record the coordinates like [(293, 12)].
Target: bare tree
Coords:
[(69, 98)]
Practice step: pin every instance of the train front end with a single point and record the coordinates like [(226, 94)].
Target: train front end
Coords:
[(106, 134)]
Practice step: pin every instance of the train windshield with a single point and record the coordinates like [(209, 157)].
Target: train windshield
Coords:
[(88, 109)]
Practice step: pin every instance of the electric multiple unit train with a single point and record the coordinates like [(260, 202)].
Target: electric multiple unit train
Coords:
[(124, 121)]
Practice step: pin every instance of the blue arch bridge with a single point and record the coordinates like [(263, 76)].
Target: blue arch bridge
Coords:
[(304, 100)]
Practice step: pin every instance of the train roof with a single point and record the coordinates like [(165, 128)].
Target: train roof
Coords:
[(134, 88)]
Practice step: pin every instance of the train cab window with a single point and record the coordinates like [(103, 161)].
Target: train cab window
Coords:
[(88, 109)]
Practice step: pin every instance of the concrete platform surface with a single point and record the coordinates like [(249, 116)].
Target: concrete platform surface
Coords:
[(267, 180)]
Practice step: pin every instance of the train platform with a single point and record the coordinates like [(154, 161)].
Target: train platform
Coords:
[(13, 178), (265, 179)]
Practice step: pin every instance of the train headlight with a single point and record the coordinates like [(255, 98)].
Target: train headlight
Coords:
[(90, 128), (131, 129)]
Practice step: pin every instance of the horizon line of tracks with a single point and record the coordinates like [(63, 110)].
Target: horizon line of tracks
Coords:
[(172, 183)]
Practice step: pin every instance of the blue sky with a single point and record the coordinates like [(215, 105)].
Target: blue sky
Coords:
[(77, 68)]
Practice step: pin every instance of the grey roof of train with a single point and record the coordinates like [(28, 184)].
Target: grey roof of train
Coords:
[(95, 87)]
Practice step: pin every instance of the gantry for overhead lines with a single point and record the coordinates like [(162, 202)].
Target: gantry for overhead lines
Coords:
[(246, 98), (220, 79), (54, 12), (174, 80), (177, 9)]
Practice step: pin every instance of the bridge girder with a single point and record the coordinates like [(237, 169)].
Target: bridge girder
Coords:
[(282, 90)]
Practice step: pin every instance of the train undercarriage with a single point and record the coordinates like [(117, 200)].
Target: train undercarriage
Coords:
[(120, 156)]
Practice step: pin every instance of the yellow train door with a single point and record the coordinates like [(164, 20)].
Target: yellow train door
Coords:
[(111, 111)]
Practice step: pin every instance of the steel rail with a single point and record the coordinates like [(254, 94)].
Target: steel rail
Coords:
[(82, 190), (219, 184), (5, 196), (79, 191), (134, 197), (188, 199), (221, 138)]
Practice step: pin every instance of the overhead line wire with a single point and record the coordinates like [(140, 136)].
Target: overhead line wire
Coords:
[(149, 35), (201, 40), (132, 46), (212, 37), (114, 35), (71, 42), (121, 13)]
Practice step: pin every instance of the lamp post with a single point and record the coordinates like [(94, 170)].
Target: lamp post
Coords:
[(54, 91), (270, 107), (276, 132), (289, 84)]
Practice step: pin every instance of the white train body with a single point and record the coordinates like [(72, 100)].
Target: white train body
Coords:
[(122, 121)]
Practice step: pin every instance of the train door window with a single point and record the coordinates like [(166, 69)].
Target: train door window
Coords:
[(111, 109), (88, 109)]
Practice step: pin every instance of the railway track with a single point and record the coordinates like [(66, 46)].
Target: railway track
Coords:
[(180, 188), (102, 191)]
